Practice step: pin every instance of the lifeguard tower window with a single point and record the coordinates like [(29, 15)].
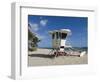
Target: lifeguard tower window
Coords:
[(53, 36), (61, 46), (57, 36), (63, 35)]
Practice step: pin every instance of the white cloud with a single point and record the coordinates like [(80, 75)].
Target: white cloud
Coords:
[(43, 22), (34, 26)]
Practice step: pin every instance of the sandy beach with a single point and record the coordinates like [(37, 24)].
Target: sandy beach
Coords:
[(41, 58)]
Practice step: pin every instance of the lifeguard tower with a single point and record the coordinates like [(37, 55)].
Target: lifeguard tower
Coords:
[(59, 38)]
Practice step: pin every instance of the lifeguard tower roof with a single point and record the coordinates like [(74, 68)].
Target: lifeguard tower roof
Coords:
[(67, 31)]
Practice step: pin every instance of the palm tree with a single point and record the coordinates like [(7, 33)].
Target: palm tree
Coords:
[(32, 40)]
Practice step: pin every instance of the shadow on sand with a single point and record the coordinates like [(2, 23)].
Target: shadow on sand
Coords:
[(42, 55)]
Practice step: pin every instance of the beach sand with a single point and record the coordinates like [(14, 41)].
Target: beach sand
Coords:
[(41, 58)]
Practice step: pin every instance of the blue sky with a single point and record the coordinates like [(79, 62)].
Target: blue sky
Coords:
[(40, 25)]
